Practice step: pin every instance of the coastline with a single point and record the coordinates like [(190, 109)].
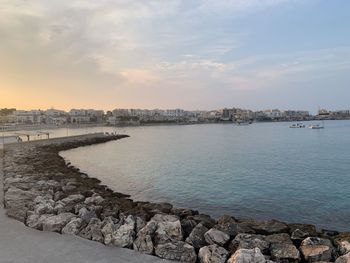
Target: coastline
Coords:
[(72, 203)]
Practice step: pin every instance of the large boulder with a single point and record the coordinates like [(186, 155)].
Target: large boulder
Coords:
[(343, 259), (95, 199), (68, 204), (227, 224), (247, 256), (214, 236), (187, 226), (342, 243), (73, 227), (212, 254), (125, 234), (44, 205), (108, 229), (270, 227), (18, 202), (55, 223), (36, 221), (196, 238), (249, 241), (144, 241), (93, 231), (206, 220), (317, 249), (179, 251), (168, 229)]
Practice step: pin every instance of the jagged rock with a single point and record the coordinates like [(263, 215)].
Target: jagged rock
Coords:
[(284, 252), (55, 223), (212, 254), (196, 238), (86, 215), (93, 231), (344, 247), (124, 235), (73, 227), (58, 196), (306, 228), (44, 205), (187, 226), (279, 239), (228, 225), (144, 242), (249, 241), (247, 256), (168, 229), (36, 221), (270, 227), (94, 200), (179, 251), (140, 223), (298, 236), (68, 204), (206, 220), (343, 259), (17, 202), (342, 242), (109, 226), (317, 249), (214, 236)]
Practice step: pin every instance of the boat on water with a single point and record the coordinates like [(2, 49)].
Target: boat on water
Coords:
[(317, 126), (297, 125)]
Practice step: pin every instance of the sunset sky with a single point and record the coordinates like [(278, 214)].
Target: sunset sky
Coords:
[(192, 54)]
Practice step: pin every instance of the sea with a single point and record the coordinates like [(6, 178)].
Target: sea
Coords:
[(262, 171)]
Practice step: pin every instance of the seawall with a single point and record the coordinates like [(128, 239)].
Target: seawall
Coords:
[(45, 193)]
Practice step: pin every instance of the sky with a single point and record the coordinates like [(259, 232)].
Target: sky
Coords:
[(191, 54)]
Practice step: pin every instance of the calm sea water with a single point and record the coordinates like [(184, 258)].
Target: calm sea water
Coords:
[(264, 171)]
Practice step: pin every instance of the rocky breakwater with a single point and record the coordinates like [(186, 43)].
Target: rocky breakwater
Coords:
[(46, 193)]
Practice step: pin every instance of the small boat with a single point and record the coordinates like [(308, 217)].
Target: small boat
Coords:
[(317, 126), (297, 125)]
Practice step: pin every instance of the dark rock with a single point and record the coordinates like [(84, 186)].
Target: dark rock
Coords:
[(206, 220), (212, 254), (179, 251), (187, 226), (196, 238), (228, 225), (214, 236)]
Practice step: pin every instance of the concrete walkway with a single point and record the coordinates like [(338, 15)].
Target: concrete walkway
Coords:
[(20, 244)]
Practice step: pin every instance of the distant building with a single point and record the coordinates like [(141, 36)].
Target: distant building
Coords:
[(86, 116), (29, 117)]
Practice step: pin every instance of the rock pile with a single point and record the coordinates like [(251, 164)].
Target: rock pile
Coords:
[(45, 193)]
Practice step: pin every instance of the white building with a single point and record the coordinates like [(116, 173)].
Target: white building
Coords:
[(29, 117)]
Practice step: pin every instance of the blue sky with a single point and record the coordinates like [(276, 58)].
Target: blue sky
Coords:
[(196, 54)]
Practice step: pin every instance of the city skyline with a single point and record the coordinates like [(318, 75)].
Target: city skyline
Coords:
[(286, 54)]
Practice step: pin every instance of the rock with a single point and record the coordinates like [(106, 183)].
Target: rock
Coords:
[(73, 227), (94, 200), (342, 242), (214, 236), (86, 215), (344, 247), (144, 242), (284, 252), (158, 208), (279, 239), (228, 225), (93, 231), (140, 223), (270, 227), (206, 220), (306, 228), (58, 196), (247, 256), (249, 241), (183, 213), (55, 223), (109, 226), (68, 204), (343, 259), (212, 254), (124, 235), (36, 221), (17, 203), (196, 238), (298, 236), (179, 251), (168, 229), (187, 226), (317, 249)]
